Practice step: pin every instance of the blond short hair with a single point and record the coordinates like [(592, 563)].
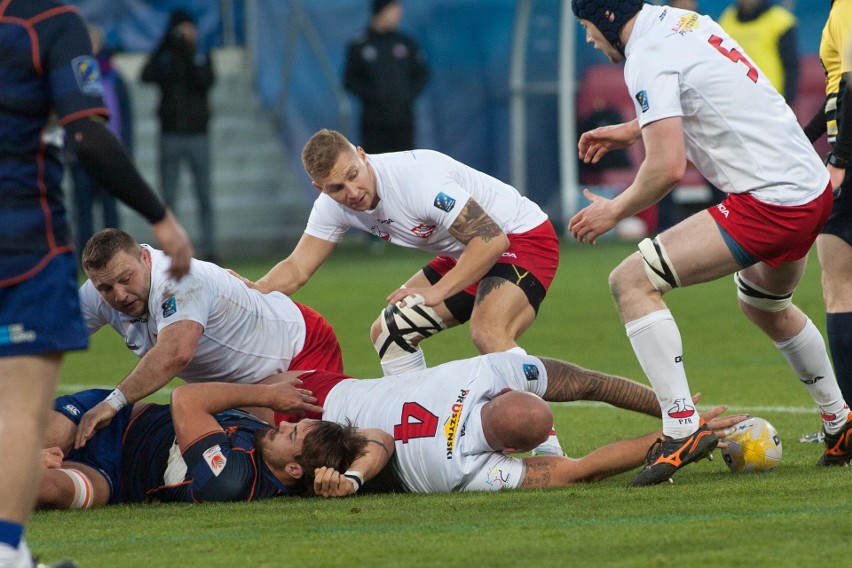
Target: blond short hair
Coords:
[(104, 245), (321, 152)]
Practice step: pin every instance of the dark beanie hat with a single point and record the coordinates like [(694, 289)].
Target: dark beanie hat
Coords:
[(379, 5), (595, 11)]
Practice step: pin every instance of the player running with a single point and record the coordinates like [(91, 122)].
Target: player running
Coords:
[(699, 98)]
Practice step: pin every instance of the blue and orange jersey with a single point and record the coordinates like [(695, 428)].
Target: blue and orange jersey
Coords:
[(47, 73), (221, 466)]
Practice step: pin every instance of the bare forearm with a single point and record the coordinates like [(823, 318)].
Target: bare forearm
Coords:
[(652, 183), (474, 262), (211, 398), (153, 372), (567, 382), (283, 277), (380, 448)]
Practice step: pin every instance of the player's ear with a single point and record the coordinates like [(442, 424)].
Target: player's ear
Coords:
[(316, 185), (294, 470)]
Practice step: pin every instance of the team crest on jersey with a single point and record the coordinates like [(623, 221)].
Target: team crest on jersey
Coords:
[(215, 459), (642, 99), (423, 231), (686, 24), (451, 426), (530, 372), (169, 307), (88, 75), (496, 478), (444, 202)]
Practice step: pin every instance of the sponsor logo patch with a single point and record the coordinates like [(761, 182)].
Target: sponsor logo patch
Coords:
[(72, 410), (169, 307), (444, 202), (88, 75), (380, 233), (451, 426), (530, 372), (215, 459), (642, 99), (16, 333), (686, 24)]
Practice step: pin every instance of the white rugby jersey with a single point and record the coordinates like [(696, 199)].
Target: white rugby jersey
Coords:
[(421, 193), (434, 416), (247, 335), (738, 130)]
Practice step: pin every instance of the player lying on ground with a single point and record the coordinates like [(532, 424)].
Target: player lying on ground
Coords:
[(196, 450), (454, 425), (207, 327)]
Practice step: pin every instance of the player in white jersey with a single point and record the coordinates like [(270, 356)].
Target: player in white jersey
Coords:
[(498, 250), (486, 233), (699, 98), (206, 327), (454, 425)]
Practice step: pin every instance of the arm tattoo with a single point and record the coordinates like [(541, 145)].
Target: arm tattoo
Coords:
[(380, 444), (567, 382), (537, 474), (473, 222)]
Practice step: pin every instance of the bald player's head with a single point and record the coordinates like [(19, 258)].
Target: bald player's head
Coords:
[(516, 421)]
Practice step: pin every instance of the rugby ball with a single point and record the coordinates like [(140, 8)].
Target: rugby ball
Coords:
[(753, 446)]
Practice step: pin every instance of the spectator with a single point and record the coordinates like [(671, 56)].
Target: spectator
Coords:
[(88, 194), (767, 34), (184, 77), (603, 115), (386, 70)]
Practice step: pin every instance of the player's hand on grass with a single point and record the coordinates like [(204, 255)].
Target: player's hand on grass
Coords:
[(328, 482), (175, 244), (98, 417), (51, 458), (289, 398), (595, 219), (722, 425)]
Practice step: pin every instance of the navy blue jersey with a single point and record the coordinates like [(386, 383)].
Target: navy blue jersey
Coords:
[(46, 71), (221, 466)]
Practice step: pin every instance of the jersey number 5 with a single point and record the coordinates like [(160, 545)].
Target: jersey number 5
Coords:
[(734, 55), (425, 423)]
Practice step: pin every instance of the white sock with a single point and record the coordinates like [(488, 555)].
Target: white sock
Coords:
[(550, 447), (405, 363), (16, 557), (807, 356), (656, 341)]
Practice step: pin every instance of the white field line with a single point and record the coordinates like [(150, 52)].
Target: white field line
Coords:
[(66, 388)]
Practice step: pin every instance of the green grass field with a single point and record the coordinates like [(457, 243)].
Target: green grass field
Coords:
[(793, 516)]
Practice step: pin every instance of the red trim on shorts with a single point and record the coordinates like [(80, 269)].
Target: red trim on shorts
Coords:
[(321, 349), (773, 233), (536, 251), (320, 384)]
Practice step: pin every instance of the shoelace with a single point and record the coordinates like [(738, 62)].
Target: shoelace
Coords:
[(650, 455)]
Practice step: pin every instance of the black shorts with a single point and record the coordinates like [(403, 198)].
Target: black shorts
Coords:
[(839, 222), (461, 304)]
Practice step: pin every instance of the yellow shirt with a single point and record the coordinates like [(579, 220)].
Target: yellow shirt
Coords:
[(759, 39), (836, 60)]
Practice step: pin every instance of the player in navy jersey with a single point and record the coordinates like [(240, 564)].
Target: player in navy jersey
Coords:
[(47, 70), (196, 450)]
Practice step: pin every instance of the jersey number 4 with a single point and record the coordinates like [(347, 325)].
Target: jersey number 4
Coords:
[(416, 422), (734, 55)]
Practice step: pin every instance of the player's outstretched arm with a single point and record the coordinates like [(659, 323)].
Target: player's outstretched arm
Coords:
[(567, 382), (174, 350), (294, 271), (104, 159), (612, 459)]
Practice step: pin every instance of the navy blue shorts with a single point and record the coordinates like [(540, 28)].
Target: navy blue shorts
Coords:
[(839, 222), (42, 314), (103, 451)]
